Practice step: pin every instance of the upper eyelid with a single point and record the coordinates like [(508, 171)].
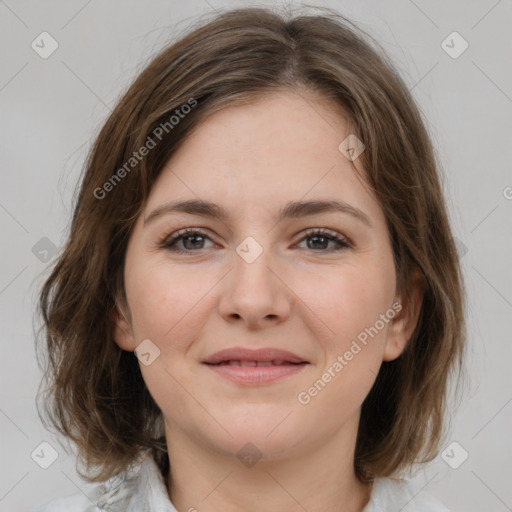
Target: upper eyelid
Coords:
[(207, 231), (325, 230), (183, 233), (188, 231)]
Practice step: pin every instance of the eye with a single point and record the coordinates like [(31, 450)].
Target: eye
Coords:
[(321, 237), (192, 238)]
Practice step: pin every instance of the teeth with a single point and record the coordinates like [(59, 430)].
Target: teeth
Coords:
[(248, 363)]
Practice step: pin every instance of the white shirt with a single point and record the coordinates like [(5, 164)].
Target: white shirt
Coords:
[(142, 489)]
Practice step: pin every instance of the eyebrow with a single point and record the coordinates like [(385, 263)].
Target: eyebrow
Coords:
[(292, 210)]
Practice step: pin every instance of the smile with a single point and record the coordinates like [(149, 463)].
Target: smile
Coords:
[(234, 362), (255, 367), (255, 373)]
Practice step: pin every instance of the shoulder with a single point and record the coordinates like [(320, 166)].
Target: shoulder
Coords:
[(72, 503), (390, 493), (141, 487)]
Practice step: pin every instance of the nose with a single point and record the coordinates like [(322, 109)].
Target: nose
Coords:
[(255, 292)]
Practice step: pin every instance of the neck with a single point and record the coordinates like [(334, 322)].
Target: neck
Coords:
[(321, 479)]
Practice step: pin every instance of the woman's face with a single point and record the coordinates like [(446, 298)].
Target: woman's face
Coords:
[(254, 279)]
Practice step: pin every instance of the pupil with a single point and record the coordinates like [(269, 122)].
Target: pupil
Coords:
[(198, 239), (316, 238), (192, 237)]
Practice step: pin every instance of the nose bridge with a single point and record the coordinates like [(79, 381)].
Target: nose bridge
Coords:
[(253, 262), (253, 291)]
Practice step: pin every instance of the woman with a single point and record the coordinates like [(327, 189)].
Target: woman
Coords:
[(259, 303)]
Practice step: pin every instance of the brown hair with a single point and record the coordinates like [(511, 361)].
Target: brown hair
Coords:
[(95, 394)]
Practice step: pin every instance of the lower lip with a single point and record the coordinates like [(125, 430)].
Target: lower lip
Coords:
[(255, 375)]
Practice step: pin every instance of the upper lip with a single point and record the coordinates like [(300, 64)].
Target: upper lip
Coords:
[(246, 354)]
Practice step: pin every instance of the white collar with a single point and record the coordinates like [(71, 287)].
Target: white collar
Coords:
[(141, 488)]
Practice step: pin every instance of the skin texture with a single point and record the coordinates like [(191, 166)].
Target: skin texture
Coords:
[(303, 297)]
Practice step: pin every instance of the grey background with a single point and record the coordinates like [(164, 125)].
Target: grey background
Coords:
[(52, 108)]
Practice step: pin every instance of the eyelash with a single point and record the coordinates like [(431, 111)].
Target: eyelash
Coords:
[(169, 242)]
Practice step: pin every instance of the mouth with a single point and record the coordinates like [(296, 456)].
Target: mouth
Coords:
[(247, 363), (240, 356), (255, 367)]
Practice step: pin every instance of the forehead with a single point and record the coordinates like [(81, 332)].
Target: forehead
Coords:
[(282, 147)]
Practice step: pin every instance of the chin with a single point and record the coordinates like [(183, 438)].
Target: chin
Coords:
[(268, 435)]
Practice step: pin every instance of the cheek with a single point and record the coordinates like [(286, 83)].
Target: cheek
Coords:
[(166, 308), (354, 306), (349, 299), (166, 304), (363, 321)]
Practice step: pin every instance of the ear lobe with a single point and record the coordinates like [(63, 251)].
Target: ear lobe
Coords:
[(123, 335), (403, 324)]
